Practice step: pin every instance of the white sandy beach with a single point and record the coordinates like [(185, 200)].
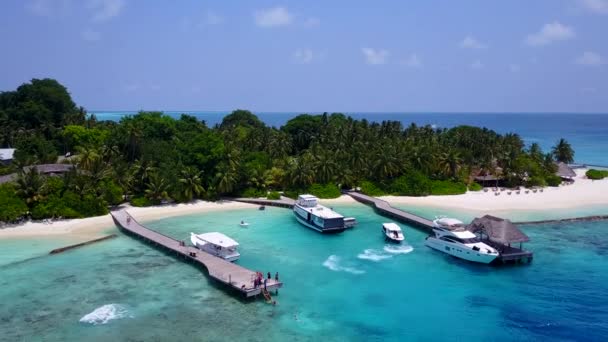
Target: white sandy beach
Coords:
[(583, 192), (92, 227)]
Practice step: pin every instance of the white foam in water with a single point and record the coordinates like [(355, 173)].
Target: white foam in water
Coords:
[(333, 263), (106, 313), (373, 255), (401, 249)]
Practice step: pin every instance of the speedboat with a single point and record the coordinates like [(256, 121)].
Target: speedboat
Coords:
[(244, 224), (452, 237), (216, 244), (311, 214), (392, 232)]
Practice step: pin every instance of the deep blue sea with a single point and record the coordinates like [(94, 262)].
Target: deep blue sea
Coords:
[(588, 133), (345, 287)]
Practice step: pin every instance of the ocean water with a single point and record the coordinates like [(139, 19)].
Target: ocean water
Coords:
[(345, 287), (588, 133)]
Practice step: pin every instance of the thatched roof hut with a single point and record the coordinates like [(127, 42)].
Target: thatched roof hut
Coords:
[(565, 171), (498, 230)]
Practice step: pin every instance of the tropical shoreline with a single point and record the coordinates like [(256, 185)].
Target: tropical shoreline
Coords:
[(91, 227), (583, 192)]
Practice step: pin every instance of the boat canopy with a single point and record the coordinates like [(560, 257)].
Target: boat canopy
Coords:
[(218, 239), (391, 227), (308, 201), (498, 230)]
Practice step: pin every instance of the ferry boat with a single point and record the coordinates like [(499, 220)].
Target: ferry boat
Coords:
[(216, 244), (392, 232), (451, 237), (311, 214)]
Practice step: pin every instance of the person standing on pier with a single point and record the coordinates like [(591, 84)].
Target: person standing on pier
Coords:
[(276, 276), (269, 275)]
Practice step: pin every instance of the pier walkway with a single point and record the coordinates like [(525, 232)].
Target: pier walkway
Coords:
[(384, 208), (284, 202), (234, 276)]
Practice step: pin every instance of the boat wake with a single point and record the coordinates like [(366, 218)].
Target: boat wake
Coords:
[(401, 249), (333, 263), (106, 313), (373, 255)]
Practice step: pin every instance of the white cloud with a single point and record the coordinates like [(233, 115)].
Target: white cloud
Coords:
[(104, 10), (589, 58), (303, 56), (477, 65), (550, 33), (588, 90), (273, 17), (412, 61), (312, 22), (90, 35), (131, 87), (514, 68), (596, 6), (212, 18), (375, 56), (47, 8), (471, 43)]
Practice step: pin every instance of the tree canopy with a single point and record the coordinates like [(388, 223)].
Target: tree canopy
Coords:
[(151, 157)]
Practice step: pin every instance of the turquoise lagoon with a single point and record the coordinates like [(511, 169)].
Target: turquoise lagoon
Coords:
[(345, 287)]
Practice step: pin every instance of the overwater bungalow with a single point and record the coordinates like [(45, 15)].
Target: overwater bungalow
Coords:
[(502, 234)]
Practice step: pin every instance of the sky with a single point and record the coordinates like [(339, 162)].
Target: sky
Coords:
[(313, 56)]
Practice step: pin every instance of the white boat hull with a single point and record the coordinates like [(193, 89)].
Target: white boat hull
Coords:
[(311, 226), (392, 238), (460, 251)]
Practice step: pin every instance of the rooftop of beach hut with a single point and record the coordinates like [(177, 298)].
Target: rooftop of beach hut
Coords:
[(499, 230), (565, 171)]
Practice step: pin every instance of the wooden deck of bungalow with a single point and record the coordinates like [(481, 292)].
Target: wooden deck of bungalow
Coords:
[(232, 275)]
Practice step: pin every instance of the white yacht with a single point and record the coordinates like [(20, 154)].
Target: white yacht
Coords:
[(311, 214), (451, 237), (392, 232), (216, 244)]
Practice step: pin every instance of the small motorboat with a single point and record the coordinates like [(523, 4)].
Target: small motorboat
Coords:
[(392, 232), (262, 207), (244, 224)]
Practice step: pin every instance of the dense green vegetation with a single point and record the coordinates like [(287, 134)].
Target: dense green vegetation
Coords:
[(151, 158), (596, 174)]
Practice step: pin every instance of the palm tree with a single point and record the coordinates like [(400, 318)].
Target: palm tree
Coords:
[(450, 163), (226, 180), (133, 140), (191, 183), (563, 151), (156, 189), (86, 157), (300, 172), (30, 185)]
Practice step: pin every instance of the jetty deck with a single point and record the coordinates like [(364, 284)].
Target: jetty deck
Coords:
[(508, 254), (284, 202), (234, 276), (385, 209)]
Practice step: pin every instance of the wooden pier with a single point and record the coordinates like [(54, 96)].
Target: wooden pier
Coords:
[(385, 209), (232, 275), (284, 202)]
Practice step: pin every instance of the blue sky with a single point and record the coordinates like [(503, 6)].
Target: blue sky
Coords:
[(452, 56)]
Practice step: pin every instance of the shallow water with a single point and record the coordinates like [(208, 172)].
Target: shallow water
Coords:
[(345, 287)]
